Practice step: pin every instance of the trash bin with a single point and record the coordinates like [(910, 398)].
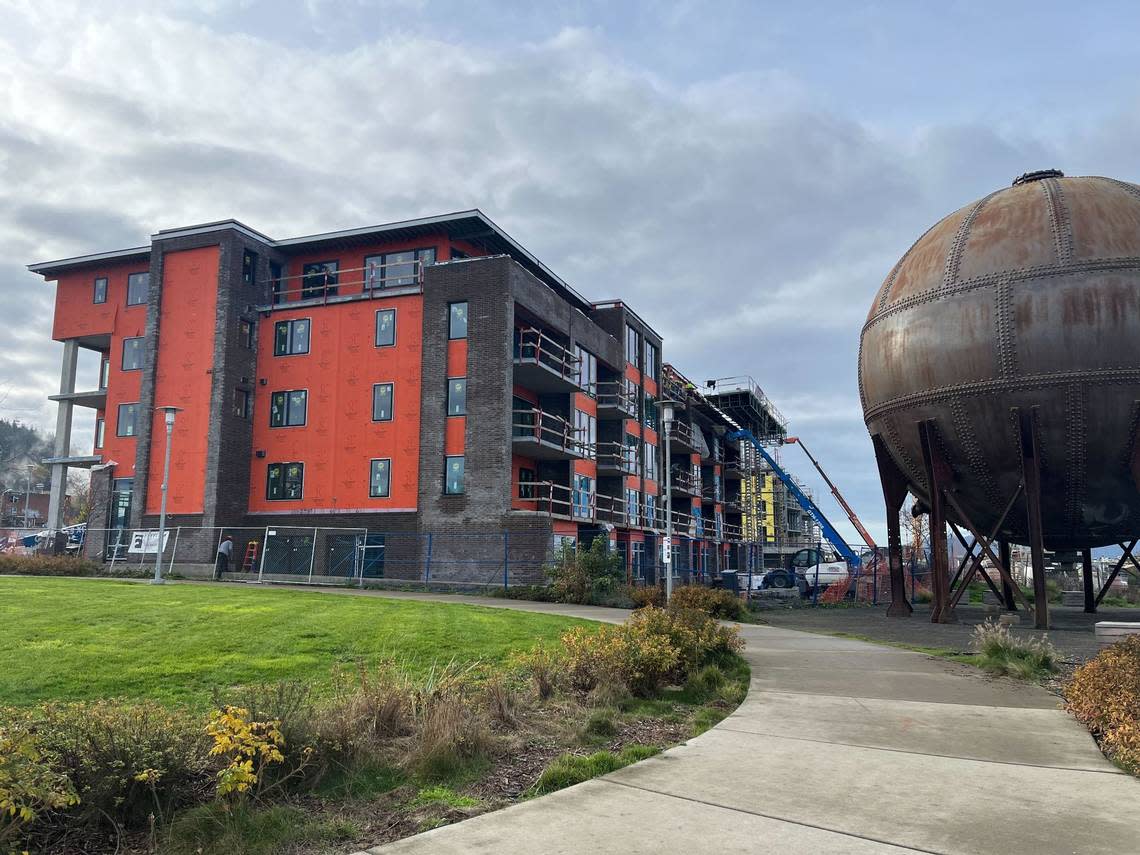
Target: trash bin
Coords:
[(730, 581)]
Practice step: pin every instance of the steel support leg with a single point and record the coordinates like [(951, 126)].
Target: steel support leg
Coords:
[(938, 476), (1086, 572), (1031, 476), (894, 493), (1006, 555)]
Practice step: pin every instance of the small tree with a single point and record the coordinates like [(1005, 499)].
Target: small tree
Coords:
[(580, 576)]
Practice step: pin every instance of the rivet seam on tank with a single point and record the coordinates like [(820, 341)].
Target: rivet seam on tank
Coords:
[(1059, 220), (958, 247), (974, 456), (917, 473), (1133, 429), (1003, 312), (1074, 456)]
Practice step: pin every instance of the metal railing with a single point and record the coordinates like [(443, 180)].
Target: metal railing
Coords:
[(682, 433), (685, 480), (551, 430), (614, 394), (372, 281), (617, 455), (535, 346)]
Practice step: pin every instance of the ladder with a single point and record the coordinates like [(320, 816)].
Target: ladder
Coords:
[(249, 563)]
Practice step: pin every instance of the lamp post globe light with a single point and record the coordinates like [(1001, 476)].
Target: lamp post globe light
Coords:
[(169, 418), (667, 409)]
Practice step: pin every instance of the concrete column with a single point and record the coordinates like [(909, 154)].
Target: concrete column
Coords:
[(62, 435)]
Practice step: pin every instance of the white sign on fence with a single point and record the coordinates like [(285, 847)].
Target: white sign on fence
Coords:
[(147, 541)]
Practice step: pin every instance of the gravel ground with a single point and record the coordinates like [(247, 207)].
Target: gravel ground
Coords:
[(1071, 629)]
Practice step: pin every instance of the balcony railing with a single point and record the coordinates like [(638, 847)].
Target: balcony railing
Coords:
[(617, 457), (615, 398), (548, 436), (681, 435), (682, 480), (370, 281), (543, 364)]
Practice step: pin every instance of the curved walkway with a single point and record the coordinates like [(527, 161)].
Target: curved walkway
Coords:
[(840, 747)]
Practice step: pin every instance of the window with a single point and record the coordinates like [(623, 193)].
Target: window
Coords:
[(583, 496), (132, 354), (393, 269), (382, 402), (276, 282), (651, 471), (386, 328), (245, 334), (380, 478), (524, 419), (100, 295), (650, 510), (587, 370), (632, 505), (453, 475), (248, 268), (629, 453), (288, 409), (637, 559), (137, 286), (126, 424), (284, 481), (457, 396), (318, 279), (631, 351), (651, 413), (457, 320), (243, 403), (291, 337), (100, 431), (105, 373), (586, 436), (527, 477), (651, 360), (457, 253)]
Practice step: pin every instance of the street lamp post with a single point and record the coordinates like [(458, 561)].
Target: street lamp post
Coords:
[(667, 550), (169, 413), (27, 495)]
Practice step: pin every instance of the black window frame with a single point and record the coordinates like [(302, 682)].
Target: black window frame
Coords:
[(248, 267), (123, 359), (587, 370), (134, 419), (528, 478), (291, 336), (391, 401), (105, 372), (277, 284), (451, 383), (287, 408), (246, 333), (387, 494), (243, 404), (447, 491), (387, 280), (285, 481), (632, 346), (466, 319), (318, 280), (652, 360), (100, 432), (133, 277), (99, 295), (391, 312)]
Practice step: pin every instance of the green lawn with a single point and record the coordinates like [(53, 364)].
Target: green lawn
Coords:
[(78, 639)]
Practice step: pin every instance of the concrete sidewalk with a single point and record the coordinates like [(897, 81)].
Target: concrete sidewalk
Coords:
[(840, 747)]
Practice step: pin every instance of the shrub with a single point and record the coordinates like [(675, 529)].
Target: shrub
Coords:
[(1001, 652), (582, 576), (627, 653), (246, 747), (49, 565), (291, 705), (451, 737), (696, 636), (367, 709), (1104, 694), (600, 724), (647, 595), (29, 785), (716, 602), (501, 702), (545, 670), (570, 769), (125, 761)]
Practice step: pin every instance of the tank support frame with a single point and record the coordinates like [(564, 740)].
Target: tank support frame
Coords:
[(894, 494)]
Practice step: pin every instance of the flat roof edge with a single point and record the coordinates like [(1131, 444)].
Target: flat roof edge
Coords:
[(79, 260)]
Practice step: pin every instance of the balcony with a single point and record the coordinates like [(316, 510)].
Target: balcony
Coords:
[(616, 401), (544, 365), (546, 436), (616, 458), (733, 471), (682, 437), (354, 283), (556, 500), (96, 400), (683, 482)]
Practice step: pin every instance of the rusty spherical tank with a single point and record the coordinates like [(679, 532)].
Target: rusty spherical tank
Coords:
[(1030, 299)]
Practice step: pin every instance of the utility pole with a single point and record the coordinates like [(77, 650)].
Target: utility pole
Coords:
[(169, 413), (667, 549), (27, 493)]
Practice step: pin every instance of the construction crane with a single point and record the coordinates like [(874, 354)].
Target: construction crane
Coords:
[(847, 509)]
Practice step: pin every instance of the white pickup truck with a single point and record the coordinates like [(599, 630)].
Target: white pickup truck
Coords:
[(806, 569)]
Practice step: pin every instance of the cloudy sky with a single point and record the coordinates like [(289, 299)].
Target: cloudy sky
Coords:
[(743, 173)]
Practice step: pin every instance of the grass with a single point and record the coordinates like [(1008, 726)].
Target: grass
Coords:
[(570, 769), (940, 652), (251, 830), (79, 639), (1002, 653)]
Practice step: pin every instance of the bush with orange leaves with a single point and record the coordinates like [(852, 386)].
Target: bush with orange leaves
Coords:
[(1104, 694)]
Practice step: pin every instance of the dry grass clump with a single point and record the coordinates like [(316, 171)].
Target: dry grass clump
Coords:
[(1104, 694), (1005, 654)]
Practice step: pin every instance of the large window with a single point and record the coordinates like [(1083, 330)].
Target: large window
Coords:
[(319, 280), (393, 269), (457, 320), (650, 510), (105, 372), (631, 350), (100, 295), (637, 559), (587, 433), (382, 394), (100, 431), (291, 337), (629, 453), (137, 286), (527, 478), (587, 370), (248, 268), (651, 472), (453, 481), (583, 496), (127, 423), (652, 359), (386, 328), (457, 396), (288, 409), (632, 506), (284, 481), (132, 354), (380, 478), (651, 412)]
